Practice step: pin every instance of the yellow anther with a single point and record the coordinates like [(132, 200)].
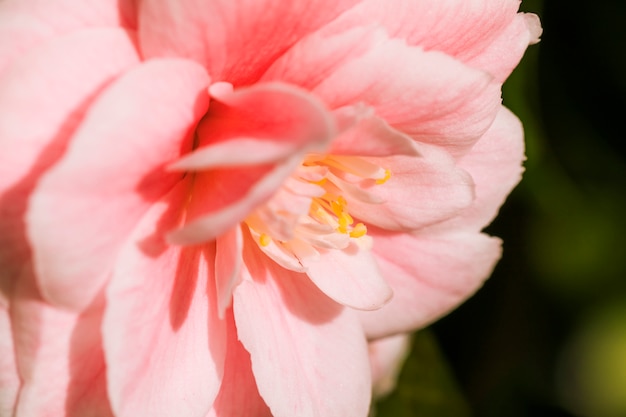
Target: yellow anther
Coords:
[(385, 178), (320, 182), (344, 221), (264, 240), (345, 218), (336, 207), (358, 230)]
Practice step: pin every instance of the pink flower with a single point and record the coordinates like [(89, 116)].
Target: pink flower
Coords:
[(207, 208)]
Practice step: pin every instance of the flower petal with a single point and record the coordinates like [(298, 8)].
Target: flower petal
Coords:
[(259, 125), (233, 194), (438, 271), (54, 84), (238, 394), (421, 191), (387, 355), (505, 50), (430, 96), (293, 121), (164, 343), (25, 24), (372, 136), (227, 267), (59, 356), (495, 165), (85, 205), (349, 276), (9, 377), (308, 354), (235, 40), (472, 31)]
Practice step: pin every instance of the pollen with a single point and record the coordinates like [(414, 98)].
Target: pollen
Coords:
[(344, 221), (385, 178), (264, 240), (358, 230), (336, 208)]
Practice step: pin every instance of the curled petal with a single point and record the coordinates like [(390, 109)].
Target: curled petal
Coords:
[(287, 122), (249, 188), (259, 125)]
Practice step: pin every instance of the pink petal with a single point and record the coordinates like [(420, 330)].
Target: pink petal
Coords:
[(317, 56), (9, 377), (280, 254), (421, 191), (259, 125), (25, 24), (164, 343), (349, 276), (228, 264), (59, 356), (504, 52), (429, 275), (231, 154), (84, 206), (426, 94), (495, 164), (290, 120), (445, 25), (309, 356), (43, 97), (372, 136), (387, 355), (534, 27), (236, 41), (238, 394), (233, 194)]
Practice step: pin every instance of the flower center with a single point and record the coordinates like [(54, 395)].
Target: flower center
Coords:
[(311, 212)]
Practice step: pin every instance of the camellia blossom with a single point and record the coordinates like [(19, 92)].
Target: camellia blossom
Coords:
[(211, 207)]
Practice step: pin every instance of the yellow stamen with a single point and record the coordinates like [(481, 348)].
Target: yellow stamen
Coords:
[(336, 208), (345, 217), (358, 230), (385, 178), (344, 221), (264, 240), (320, 182)]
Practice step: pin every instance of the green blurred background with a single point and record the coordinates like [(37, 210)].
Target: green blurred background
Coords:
[(546, 336)]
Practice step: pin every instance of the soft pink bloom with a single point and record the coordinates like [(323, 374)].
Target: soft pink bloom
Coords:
[(208, 207)]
